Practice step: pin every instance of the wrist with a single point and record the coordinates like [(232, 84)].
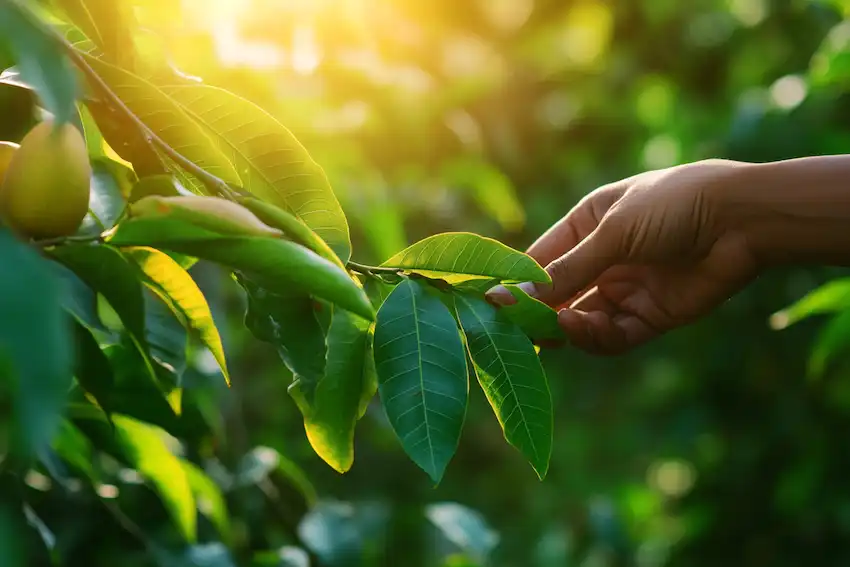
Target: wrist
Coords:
[(792, 211)]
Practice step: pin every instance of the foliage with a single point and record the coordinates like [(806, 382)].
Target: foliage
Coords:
[(160, 432)]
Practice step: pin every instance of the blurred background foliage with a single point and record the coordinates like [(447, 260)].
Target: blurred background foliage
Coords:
[(713, 446)]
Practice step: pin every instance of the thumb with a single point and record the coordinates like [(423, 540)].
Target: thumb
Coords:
[(581, 266)]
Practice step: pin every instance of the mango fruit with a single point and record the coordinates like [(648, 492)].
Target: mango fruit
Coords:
[(45, 193), (211, 213), (7, 150)]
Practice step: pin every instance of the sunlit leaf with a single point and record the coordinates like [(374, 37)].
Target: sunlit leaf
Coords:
[(276, 264), (180, 292), (272, 163), (535, 318), (145, 448), (331, 413), (209, 498), (40, 59), (35, 354), (165, 117), (108, 23), (455, 256), (512, 379), (422, 375)]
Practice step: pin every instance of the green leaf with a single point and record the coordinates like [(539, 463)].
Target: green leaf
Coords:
[(161, 114), (455, 256), (167, 338), (330, 418), (291, 226), (278, 265), (107, 271), (535, 318), (831, 297), (274, 165), (422, 375), (92, 370), (136, 393), (74, 448), (108, 23), (40, 60), (370, 374), (209, 498), (512, 379), (77, 298), (377, 290), (35, 345), (145, 448), (180, 292), (289, 322), (106, 200)]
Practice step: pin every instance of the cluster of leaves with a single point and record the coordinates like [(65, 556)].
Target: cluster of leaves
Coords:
[(123, 319)]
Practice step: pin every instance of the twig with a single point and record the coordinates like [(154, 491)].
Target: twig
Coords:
[(371, 270), (216, 184), (47, 242)]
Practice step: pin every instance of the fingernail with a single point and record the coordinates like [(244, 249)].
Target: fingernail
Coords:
[(500, 295), (529, 287)]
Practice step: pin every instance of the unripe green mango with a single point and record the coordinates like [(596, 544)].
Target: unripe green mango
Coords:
[(45, 192)]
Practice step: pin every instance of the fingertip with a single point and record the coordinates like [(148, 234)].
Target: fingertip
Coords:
[(530, 288), (500, 296)]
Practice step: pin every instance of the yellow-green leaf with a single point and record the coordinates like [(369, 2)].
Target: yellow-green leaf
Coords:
[(331, 417), (166, 118), (145, 448), (180, 292), (273, 165)]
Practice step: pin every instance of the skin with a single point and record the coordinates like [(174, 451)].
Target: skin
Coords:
[(645, 255)]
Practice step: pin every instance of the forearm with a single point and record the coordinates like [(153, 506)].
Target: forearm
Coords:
[(794, 211)]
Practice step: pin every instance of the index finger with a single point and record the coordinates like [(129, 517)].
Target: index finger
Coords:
[(576, 225)]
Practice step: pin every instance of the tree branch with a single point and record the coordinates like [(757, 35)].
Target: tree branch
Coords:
[(215, 184), (371, 270)]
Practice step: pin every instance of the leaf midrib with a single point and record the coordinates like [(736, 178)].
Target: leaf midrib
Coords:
[(259, 172), (507, 375), (422, 378)]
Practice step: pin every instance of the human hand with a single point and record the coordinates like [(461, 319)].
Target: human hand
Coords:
[(642, 256)]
